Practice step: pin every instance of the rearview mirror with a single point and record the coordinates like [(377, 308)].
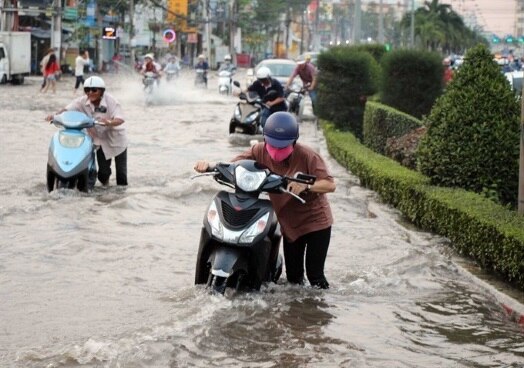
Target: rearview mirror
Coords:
[(236, 83), (306, 178)]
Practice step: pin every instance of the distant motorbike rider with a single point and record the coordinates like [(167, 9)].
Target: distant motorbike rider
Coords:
[(267, 88), (202, 64), (151, 66), (307, 72), (227, 65), (172, 66)]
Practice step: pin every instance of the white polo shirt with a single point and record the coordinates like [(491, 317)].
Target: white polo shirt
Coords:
[(113, 140)]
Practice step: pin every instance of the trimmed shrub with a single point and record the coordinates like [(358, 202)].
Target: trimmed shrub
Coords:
[(382, 122), (376, 50), (472, 140), (346, 78), (411, 80), (478, 228)]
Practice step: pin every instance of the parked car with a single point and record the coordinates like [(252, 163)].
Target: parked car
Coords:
[(281, 69)]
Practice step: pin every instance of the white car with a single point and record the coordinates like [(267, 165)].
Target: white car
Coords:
[(281, 70)]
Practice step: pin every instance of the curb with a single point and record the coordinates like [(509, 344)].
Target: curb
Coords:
[(512, 307)]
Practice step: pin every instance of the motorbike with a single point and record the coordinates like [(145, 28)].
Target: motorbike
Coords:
[(71, 159), (225, 82), (240, 238), (295, 99), (150, 82), (200, 78), (171, 74), (247, 116)]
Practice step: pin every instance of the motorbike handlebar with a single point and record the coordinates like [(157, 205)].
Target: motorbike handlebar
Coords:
[(284, 190)]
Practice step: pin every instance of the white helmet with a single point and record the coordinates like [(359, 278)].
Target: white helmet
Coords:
[(151, 56), (227, 57), (263, 72), (95, 82)]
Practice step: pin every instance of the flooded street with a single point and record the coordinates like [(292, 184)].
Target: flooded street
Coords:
[(106, 279)]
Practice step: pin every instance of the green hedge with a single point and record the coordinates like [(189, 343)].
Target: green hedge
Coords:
[(411, 80), (347, 76), (479, 228), (382, 122)]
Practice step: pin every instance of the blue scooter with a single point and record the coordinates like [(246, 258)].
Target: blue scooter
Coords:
[(71, 161)]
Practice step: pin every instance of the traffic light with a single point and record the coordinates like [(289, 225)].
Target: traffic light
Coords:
[(387, 46), (509, 39), (495, 39)]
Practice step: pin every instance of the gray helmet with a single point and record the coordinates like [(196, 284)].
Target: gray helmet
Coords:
[(281, 129)]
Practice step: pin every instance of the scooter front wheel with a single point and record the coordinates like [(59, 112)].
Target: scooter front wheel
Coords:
[(218, 284), (56, 182)]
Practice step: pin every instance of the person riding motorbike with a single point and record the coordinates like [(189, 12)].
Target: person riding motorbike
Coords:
[(227, 65), (306, 227), (307, 72), (172, 66), (202, 64), (266, 86), (150, 66)]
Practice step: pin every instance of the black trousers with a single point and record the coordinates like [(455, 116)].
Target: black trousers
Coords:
[(314, 246), (104, 167), (79, 81)]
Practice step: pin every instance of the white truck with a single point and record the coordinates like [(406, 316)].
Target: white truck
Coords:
[(15, 56)]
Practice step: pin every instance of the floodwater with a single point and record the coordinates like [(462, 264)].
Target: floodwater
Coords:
[(106, 279)]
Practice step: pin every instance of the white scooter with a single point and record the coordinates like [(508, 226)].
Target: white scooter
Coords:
[(225, 81)]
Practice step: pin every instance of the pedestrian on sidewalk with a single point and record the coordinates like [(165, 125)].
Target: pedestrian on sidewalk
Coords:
[(50, 73), (80, 63), (43, 63)]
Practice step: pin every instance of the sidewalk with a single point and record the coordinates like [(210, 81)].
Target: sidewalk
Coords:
[(509, 298)]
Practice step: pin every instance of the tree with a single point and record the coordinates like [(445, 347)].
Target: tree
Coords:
[(439, 27), (472, 140)]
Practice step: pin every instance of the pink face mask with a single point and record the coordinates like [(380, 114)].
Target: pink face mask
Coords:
[(279, 154)]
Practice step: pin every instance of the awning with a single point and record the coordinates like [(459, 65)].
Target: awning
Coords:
[(46, 33)]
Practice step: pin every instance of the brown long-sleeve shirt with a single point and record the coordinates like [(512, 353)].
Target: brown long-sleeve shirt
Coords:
[(296, 219)]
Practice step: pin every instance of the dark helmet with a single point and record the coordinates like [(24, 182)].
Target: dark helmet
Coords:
[(281, 129)]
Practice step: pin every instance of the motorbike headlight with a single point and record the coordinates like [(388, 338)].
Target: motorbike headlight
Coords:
[(254, 230), (238, 114), (217, 229), (252, 117), (70, 140), (247, 180)]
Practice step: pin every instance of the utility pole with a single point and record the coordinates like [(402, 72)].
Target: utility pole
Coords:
[(56, 27), (207, 31), (132, 30), (412, 26), (302, 33), (232, 30), (316, 38), (357, 23), (287, 23), (381, 22), (521, 159)]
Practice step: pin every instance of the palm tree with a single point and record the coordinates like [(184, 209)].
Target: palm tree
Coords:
[(439, 27)]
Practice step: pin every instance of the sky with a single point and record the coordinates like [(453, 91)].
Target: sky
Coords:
[(495, 16)]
